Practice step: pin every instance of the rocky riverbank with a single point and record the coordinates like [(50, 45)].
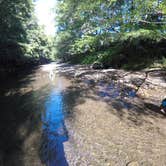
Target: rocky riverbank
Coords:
[(116, 119), (111, 117), (149, 85)]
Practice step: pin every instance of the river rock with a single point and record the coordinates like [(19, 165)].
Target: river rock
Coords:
[(133, 163), (97, 65)]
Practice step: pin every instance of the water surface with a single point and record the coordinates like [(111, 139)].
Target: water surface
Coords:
[(49, 119)]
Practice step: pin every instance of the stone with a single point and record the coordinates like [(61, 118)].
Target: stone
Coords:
[(97, 65), (133, 163)]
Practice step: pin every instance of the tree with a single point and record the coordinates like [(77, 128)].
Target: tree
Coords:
[(21, 38), (90, 26)]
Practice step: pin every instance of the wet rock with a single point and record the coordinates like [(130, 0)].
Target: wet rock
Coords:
[(133, 163), (157, 78), (154, 86), (135, 79), (79, 74), (97, 65), (148, 84)]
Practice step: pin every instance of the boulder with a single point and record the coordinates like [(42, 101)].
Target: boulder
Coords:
[(97, 65)]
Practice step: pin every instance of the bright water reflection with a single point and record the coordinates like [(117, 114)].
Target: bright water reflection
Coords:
[(54, 131)]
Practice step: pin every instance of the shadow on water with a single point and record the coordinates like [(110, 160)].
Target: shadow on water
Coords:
[(19, 117), (121, 99), (54, 131), (22, 109)]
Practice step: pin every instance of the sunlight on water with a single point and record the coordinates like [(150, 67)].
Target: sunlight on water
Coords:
[(52, 70), (49, 67), (54, 131)]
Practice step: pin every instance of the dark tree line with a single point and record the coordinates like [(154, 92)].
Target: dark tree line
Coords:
[(22, 40)]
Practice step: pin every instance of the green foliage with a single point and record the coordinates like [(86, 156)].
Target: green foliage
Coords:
[(87, 43), (89, 59), (21, 38), (142, 34), (116, 32)]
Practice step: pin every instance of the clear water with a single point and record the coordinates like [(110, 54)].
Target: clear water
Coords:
[(40, 104), (54, 131)]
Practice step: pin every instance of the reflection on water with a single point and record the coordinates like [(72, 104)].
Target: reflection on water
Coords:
[(54, 131)]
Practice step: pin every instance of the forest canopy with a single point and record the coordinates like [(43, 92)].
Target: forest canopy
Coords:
[(22, 40), (113, 32)]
